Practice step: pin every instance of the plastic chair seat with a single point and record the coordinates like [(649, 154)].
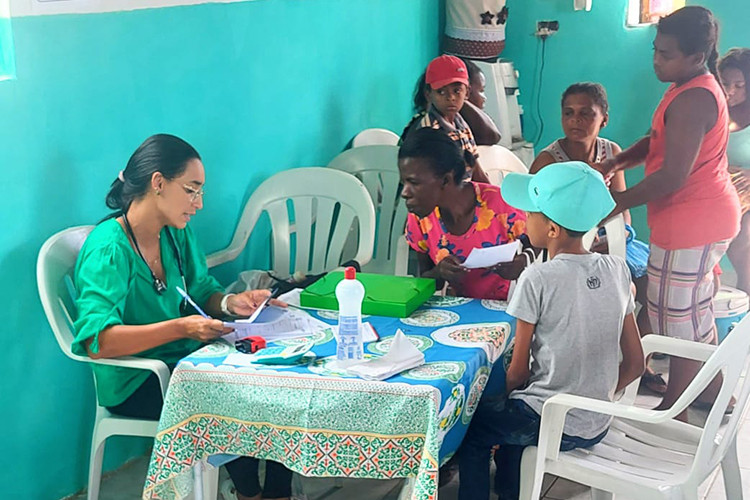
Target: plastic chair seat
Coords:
[(647, 454)]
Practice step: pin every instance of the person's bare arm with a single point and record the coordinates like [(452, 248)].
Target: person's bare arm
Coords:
[(618, 184), (542, 160), (519, 370), (688, 118), (478, 174), (631, 157), (126, 340), (633, 363), (482, 127), (448, 269)]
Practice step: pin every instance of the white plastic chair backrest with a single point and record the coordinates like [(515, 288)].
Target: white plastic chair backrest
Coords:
[(731, 357), (377, 168), (54, 275), (375, 136), (497, 161), (616, 238), (318, 205)]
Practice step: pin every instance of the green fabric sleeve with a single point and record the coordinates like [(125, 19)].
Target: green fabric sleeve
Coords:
[(201, 285), (102, 281)]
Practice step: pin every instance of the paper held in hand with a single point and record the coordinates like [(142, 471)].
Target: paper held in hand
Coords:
[(492, 256)]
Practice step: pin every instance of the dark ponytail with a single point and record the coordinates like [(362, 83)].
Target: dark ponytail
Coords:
[(420, 101), (713, 63), (162, 153), (696, 31)]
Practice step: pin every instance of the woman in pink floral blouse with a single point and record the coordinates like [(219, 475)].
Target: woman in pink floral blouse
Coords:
[(449, 216)]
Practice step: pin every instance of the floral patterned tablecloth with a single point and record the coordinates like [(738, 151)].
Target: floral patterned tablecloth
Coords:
[(322, 423)]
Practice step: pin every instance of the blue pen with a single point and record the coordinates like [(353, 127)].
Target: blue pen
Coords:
[(192, 302)]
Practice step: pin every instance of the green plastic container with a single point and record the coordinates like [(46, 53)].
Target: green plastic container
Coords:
[(395, 296)]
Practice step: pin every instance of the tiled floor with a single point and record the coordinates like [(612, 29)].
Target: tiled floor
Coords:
[(127, 482)]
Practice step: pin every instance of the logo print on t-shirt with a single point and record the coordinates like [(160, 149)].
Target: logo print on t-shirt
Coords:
[(593, 282)]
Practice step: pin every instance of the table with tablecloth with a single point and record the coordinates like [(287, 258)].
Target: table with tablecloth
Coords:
[(321, 422)]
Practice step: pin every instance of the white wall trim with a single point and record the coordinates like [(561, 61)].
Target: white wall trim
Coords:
[(22, 8)]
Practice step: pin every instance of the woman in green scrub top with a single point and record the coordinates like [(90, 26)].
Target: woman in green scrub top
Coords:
[(734, 70), (128, 304)]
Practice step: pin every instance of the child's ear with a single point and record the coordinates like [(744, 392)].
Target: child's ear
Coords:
[(553, 230), (447, 178), (605, 120)]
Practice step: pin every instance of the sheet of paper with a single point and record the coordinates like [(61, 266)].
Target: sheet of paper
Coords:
[(276, 323), (491, 256)]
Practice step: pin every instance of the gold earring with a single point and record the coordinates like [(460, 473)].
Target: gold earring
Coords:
[(158, 192)]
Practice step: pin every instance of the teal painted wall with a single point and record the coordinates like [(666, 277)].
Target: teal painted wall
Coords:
[(7, 60), (596, 46), (256, 87)]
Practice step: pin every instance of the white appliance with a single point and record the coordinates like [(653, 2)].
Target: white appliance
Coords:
[(502, 105)]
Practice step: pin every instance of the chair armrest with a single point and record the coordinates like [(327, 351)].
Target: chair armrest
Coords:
[(556, 408), (156, 366), (677, 347), (221, 256)]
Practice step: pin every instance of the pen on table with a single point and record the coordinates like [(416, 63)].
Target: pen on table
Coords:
[(192, 302)]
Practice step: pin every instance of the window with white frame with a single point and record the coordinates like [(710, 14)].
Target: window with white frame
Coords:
[(643, 12)]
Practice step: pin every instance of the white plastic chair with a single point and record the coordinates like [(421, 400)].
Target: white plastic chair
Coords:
[(497, 161), (647, 454), (54, 271), (614, 228), (377, 168), (374, 137), (324, 204)]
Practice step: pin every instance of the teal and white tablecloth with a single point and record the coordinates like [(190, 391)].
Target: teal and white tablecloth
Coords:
[(322, 423)]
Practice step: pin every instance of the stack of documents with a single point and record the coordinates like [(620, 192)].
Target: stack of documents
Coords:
[(400, 357), (275, 323)]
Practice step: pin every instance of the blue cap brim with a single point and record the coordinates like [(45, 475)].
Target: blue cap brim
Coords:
[(516, 193)]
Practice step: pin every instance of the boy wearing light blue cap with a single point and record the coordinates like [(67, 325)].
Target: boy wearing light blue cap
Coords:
[(574, 318)]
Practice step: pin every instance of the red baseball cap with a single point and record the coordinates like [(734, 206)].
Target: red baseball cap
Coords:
[(445, 70)]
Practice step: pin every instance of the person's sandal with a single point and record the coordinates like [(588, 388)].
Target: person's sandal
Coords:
[(654, 382)]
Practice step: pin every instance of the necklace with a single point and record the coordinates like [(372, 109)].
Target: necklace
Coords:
[(159, 286)]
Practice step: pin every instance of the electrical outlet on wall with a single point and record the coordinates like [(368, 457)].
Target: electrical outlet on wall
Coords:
[(545, 29)]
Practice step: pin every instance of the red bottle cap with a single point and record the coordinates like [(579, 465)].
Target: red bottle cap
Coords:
[(350, 273)]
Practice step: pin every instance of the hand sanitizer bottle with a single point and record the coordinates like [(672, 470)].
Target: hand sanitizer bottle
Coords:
[(349, 293)]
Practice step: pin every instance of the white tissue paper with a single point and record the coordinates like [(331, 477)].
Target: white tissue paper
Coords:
[(400, 357)]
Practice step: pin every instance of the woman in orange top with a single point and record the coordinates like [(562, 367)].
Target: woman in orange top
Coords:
[(693, 210)]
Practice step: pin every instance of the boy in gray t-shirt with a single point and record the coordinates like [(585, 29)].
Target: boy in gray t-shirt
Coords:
[(574, 318)]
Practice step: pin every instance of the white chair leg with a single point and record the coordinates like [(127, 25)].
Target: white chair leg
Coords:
[(528, 487), (95, 464), (198, 480), (601, 495), (730, 469), (210, 482), (408, 489)]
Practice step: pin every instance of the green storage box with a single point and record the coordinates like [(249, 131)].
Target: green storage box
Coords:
[(396, 296)]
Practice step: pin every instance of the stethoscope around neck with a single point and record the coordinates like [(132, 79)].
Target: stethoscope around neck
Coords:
[(159, 285)]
